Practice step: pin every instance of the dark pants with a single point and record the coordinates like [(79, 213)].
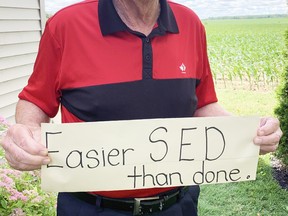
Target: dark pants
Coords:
[(68, 205)]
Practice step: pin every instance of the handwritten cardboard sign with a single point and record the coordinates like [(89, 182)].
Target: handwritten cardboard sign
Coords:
[(120, 155)]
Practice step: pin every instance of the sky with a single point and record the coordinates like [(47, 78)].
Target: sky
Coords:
[(209, 8)]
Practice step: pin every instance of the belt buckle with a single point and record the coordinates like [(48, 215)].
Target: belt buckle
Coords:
[(137, 204)]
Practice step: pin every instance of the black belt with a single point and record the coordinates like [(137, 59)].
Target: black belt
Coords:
[(139, 206)]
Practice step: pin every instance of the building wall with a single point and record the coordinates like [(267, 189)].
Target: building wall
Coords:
[(21, 25)]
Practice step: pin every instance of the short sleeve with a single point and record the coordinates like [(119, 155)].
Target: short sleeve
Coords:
[(205, 91), (43, 85)]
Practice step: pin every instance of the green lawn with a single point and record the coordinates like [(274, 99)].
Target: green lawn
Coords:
[(262, 197), (246, 102)]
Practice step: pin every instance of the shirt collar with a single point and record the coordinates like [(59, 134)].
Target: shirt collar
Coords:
[(110, 22)]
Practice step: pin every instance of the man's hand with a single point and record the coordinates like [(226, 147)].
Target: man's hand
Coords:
[(268, 135), (23, 150)]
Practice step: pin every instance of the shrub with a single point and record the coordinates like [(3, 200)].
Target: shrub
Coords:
[(20, 192), (282, 111)]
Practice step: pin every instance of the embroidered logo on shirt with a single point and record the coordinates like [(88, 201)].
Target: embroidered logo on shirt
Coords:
[(182, 68)]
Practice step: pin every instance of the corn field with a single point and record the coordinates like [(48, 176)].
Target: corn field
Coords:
[(247, 52)]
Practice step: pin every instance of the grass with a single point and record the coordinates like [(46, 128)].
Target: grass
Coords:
[(246, 102), (255, 198), (262, 197)]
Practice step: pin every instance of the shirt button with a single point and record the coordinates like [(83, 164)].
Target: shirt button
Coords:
[(147, 40), (148, 57)]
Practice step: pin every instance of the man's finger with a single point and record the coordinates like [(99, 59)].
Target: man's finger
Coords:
[(21, 136), (268, 126), (21, 160), (271, 139)]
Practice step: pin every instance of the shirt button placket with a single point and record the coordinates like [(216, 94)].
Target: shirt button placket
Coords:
[(147, 58)]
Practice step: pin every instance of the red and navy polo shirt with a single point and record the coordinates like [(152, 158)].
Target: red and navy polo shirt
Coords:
[(98, 69)]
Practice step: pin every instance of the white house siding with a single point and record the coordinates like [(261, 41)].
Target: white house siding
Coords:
[(21, 25)]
